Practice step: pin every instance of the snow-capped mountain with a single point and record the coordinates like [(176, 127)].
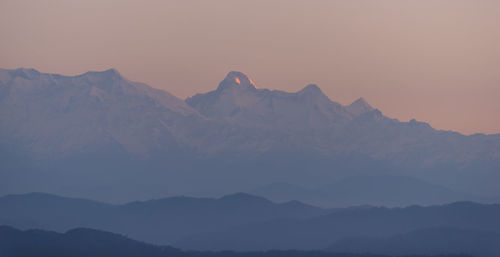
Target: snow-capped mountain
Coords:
[(238, 100), (359, 107), (55, 115), (237, 135)]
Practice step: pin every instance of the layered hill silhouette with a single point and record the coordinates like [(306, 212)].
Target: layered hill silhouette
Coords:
[(161, 221), (101, 136), (83, 242), (243, 222), (425, 241), (362, 222), (382, 190)]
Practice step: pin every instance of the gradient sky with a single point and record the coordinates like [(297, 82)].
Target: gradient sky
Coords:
[(436, 61)]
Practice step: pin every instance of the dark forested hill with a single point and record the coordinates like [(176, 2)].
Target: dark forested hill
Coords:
[(426, 241), (84, 242)]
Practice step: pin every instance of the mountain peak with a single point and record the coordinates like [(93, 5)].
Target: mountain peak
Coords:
[(236, 79), (26, 73), (415, 123), (312, 90), (243, 198), (109, 73), (359, 107), (112, 71)]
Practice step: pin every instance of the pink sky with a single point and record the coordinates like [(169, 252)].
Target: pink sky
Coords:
[(435, 61)]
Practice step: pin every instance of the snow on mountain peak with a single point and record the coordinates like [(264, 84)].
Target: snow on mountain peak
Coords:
[(312, 89), (236, 79), (24, 73), (359, 107), (109, 73), (27, 73), (112, 72)]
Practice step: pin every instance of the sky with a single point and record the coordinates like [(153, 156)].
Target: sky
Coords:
[(435, 61)]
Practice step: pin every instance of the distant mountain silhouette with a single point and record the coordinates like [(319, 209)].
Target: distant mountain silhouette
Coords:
[(101, 136), (381, 190), (83, 242), (426, 241), (389, 190), (161, 221), (320, 232), (244, 222), (281, 192)]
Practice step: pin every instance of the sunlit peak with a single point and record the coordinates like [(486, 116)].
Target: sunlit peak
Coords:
[(251, 82), (238, 80)]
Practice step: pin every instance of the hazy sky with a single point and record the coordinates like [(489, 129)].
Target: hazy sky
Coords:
[(436, 61)]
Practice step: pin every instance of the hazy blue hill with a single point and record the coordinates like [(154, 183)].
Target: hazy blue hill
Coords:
[(320, 232), (245, 222), (426, 241), (281, 192), (379, 190), (83, 242), (389, 190), (160, 221), (45, 211)]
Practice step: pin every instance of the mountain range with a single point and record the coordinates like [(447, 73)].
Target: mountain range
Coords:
[(161, 221), (242, 222), (100, 136), (372, 223), (381, 190)]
